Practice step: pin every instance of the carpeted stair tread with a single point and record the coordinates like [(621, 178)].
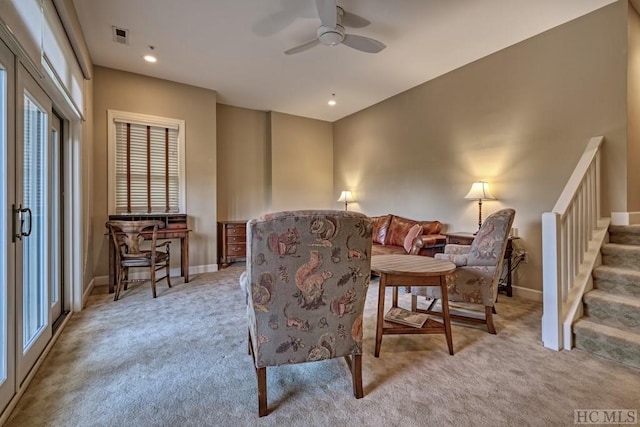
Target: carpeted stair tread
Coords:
[(624, 256), (611, 328), (617, 280), (625, 234), (622, 346), (620, 311)]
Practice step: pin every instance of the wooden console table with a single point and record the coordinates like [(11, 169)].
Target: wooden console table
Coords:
[(175, 227), (466, 238)]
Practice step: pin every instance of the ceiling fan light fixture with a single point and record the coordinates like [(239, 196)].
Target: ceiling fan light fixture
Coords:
[(331, 36), (331, 32)]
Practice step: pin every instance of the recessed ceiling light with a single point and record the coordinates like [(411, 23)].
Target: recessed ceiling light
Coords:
[(149, 57), (332, 101)]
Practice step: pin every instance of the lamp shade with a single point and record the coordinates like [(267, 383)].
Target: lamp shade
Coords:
[(346, 197), (480, 191)]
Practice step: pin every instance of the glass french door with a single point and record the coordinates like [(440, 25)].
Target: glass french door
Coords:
[(31, 296), (32, 212), (7, 261)]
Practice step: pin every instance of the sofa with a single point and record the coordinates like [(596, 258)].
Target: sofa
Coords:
[(393, 234)]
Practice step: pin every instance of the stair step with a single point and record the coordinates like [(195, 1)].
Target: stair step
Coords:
[(622, 256), (621, 281), (624, 234), (619, 345), (619, 311)]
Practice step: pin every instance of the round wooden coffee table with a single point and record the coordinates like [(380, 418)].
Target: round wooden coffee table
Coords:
[(412, 270)]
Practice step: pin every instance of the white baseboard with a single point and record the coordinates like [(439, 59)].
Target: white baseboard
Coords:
[(101, 280), (208, 268), (625, 218), (87, 292), (527, 293), (175, 272)]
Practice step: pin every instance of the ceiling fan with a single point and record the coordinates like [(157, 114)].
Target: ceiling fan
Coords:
[(331, 32)]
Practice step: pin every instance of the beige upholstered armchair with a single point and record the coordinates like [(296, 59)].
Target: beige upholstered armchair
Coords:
[(478, 268), (306, 282)]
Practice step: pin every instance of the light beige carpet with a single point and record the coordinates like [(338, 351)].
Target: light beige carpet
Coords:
[(181, 360)]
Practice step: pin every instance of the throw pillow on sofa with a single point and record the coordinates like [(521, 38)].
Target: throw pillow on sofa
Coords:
[(398, 230), (413, 232)]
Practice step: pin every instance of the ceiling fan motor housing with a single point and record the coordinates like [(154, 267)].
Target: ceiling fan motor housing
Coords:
[(331, 36)]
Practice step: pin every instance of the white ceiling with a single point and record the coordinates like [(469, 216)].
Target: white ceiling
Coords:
[(235, 47)]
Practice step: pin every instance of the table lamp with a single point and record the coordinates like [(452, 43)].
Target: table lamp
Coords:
[(346, 197), (479, 191)]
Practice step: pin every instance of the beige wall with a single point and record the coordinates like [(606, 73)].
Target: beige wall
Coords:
[(135, 93), (244, 163), (271, 162), (301, 163), (518, 119), (633, 112)]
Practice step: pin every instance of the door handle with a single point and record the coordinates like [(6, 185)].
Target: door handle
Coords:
[(28, 233), (18, 230)]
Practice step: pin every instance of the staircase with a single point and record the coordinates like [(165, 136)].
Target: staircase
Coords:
[(611, 326)]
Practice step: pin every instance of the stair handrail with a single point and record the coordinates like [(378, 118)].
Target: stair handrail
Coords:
[(570, 233)]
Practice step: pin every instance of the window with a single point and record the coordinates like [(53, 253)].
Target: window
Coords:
[(146, 173)]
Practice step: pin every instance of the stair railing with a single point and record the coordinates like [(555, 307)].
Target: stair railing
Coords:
[(572, 235)]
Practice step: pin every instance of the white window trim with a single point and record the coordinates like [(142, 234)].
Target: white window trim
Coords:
[(145, 119)]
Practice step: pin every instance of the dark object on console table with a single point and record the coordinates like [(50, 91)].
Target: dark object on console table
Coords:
[(232, 236), (394, 234), (465, 238), (175, 227)]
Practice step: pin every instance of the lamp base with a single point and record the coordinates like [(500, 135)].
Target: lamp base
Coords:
[(479, 216)]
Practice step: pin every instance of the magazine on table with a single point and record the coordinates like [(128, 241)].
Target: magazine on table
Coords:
[(406, 317)]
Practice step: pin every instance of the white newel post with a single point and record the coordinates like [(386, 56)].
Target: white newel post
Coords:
[(551, 282)]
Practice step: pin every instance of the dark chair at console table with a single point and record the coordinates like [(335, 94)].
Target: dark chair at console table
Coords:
[(175, 227)]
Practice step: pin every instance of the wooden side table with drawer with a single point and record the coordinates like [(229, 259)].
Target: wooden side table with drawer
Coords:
[(233, 241)]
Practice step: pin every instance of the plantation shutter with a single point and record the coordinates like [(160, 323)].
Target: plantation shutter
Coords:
[(147, 168)]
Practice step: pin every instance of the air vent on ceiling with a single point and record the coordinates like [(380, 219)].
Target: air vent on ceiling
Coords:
[(120, 35)]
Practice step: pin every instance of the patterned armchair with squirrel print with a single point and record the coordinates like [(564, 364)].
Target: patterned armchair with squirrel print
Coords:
[(478, 268), (306, 281)]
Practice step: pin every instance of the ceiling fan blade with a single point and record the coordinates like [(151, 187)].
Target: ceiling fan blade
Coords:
[(302, 47), (364, 44), (354, 21), (328, 12)]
